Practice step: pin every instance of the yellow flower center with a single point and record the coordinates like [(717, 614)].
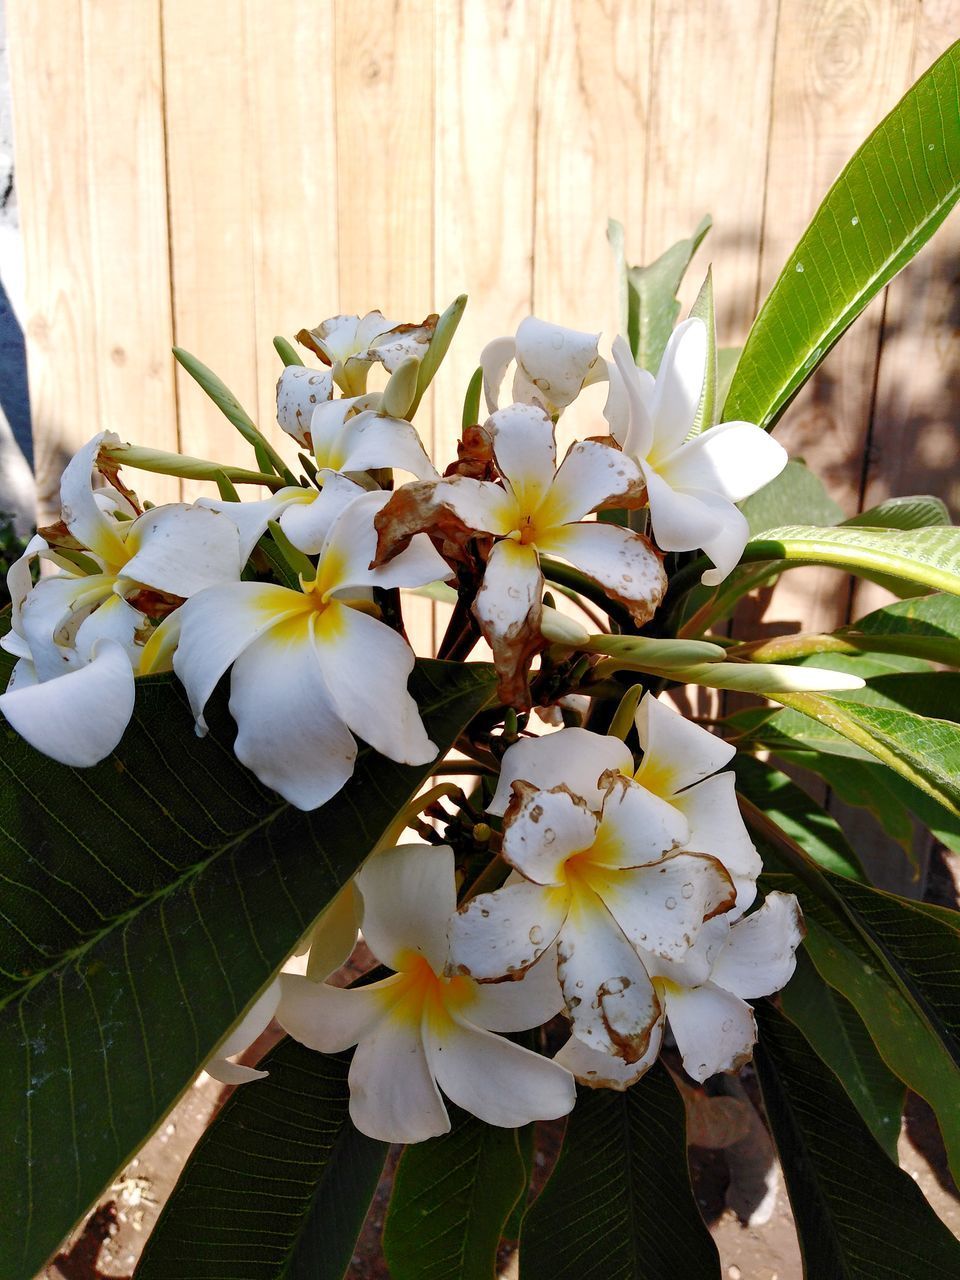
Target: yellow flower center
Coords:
[(419, 992)]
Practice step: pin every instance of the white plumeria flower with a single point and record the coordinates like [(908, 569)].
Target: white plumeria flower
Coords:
[(77, 634), (311, 667), (420, 1031), (540, 509), (349, 434), (553, 365), (351, 344), (692, 485), (598, 886), (330, 944)]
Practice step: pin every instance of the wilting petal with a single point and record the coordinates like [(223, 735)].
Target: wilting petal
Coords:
[(760, 955), (351, 545), (542, 829), (678, 387), (20, 577), (79, 509), (113, 620), (636, 825), (676, 752), (661, 907), (695, 966), (576, 757), (525, 450), (299, 391), (250, 519), (732, 460), (610, 998), (308, 521), (53, 611), (334, 936), (592, 475), (519, 1003), (371, 440), (393, 1095), (620, 561), (218, 624), (331, 1018), (180, 550), (553, 363), (417, 566), (717, 827), (250, 1027), (600, 1070), (494, 359), (288, 729), (409, 894), (479, 504), (508, 607), (499, 1082), (505, 932), (714, 1030), (638, 388), (366, 667), (77, 718)]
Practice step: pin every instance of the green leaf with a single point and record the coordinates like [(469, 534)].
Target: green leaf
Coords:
[(927, 627), (920, 512), (813, 829), (279, 1184), (618, 1205), (887, 202), (653, 304), (834, 1030), (703, 309), (858, 1216), (796, 494), (452, 1197), (437, 348), (471, 399), (287, 352), (147, 902), (727, 360)]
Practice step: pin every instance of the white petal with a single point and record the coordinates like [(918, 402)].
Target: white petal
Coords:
[(288, 729), (331, 1018), (638, 388), (371, 440), (556, 361), (180, 550), (250, 519), (620, 561), (494, 359), (80, 510), (515, 1005), (352, 545), (508, 603), (366, 667), (307, 522), (610, 998), (393, 1095), (499, 1082), (695, 966), (679, 385), (53, 611), (480, 504), (228, 1072), (760, 955), (661, 907), (409, 894), (112, 620), (20, 577), (417, 565), (676, 752), (542, 829), (24, 673), (497, 934), (616, 410), (334, 936), (681, 521), (636, 826), (600, 1070), (80, 717), (575, 757), (525, 450), (253, 1023), (725, 547), (591, 475), (218, 624), (717, 828), (733, 460), (714, 1030), (299, 391)]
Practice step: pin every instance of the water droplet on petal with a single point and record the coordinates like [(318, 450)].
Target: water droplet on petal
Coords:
[(726, 1024), (536, 935), (549, 835), (687, 890), (670, 903)]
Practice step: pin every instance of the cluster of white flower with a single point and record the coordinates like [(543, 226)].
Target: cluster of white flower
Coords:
[(628, 886)]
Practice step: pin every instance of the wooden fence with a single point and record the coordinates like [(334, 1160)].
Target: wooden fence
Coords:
[(212, 172)]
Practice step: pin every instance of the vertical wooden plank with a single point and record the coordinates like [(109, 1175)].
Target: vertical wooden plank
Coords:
[(486, 93), (593, 112), (840, 66), (913, 441), (47, 77), (127, 193), (211, 233), (293, 164), (384, 91)]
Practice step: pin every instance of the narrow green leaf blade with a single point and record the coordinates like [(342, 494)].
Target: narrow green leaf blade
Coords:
[(703, 309), (887, 202), (279, 1184), (452, 1197), (858, 1216), (619, 1206), (926, 626), (652, 293)]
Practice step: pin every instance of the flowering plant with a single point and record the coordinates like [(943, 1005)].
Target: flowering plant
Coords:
[(223, 756)]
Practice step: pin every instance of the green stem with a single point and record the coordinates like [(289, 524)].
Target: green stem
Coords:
[(178, 464)]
